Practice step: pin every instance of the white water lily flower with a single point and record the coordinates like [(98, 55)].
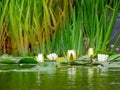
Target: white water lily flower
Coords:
[(40, 58), (103, 57), (52, 56), (71, 55), (90, 52)]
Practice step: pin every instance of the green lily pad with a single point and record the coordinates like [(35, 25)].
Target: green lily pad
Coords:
[(15, 67), (64, 63), (7, 61), (28, 60), (74, 63), (114, 57), (79, 63)]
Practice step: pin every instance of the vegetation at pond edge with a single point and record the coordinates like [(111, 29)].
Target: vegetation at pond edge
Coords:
[(30, 27)]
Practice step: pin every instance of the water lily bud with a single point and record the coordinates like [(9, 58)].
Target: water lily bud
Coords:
[(71, 55), (90, 52)]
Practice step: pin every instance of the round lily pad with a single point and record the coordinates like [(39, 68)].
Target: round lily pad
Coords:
[(28, 60)]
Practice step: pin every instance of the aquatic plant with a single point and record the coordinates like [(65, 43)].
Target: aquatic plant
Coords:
[(3, 25), (99, 21), (114, 57), (91, 54), (103, 57), (8, 61), (52, 56), (71, 55), (40, 58), (33, 26), (28, 60)]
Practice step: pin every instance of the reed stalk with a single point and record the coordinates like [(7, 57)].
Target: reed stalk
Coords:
[(48, 26)]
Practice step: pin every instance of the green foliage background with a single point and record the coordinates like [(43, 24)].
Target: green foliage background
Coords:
[(28, 27)]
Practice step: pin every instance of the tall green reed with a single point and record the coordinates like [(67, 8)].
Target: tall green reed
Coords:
[(71, 36), (55, 26), (108, 33), (98, 22), (18, 18), (3, 27)]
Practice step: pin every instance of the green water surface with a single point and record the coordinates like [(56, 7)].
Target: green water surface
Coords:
[(63, 78)]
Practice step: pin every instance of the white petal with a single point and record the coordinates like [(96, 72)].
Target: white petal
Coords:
[(40, 58), (73, 53), (102, 57), (52, 56)]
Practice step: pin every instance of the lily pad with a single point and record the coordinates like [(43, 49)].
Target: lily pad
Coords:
[(15, 67), (7, 61), (80, 63), (114, 57), (28, 60), (61, 59), (74, 63)]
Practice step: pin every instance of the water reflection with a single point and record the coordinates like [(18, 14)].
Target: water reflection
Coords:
[(64, 78), (72, 71), (90, 72), (103, 69)]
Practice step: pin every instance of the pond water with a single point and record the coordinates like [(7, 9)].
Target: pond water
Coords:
[(61, 78)]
